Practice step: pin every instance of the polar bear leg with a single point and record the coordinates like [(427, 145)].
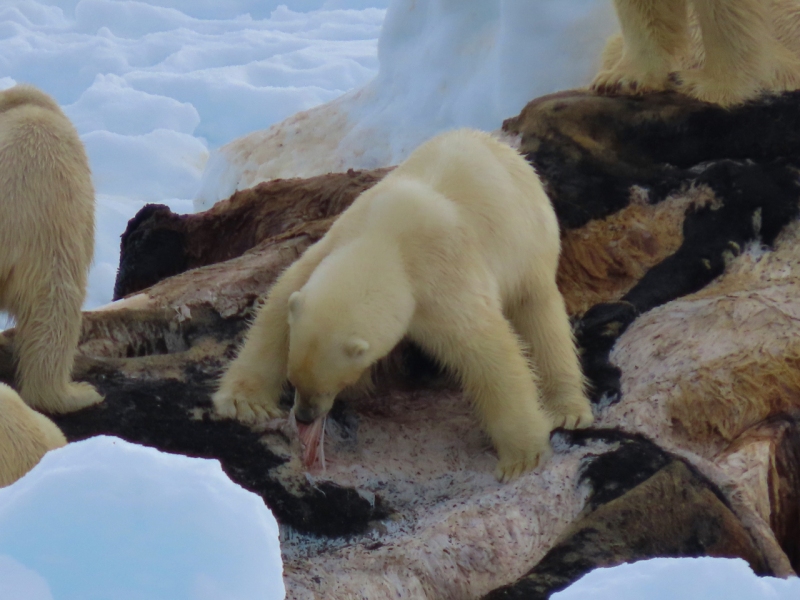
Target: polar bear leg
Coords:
[(48, 316), (742, 53), (544, 326), (476, 342), (250, 389), (655, 33)]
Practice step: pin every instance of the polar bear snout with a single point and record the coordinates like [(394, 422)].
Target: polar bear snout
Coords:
[(304, 412), (310, 407)]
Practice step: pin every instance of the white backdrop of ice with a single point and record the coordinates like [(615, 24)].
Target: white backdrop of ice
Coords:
[(104, 519), (703, 578), (152, 85), (443, 64)]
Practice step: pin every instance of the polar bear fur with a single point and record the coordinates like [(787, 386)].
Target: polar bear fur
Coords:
[(721, 51), (47, 237), (457, 250), (25, 436)]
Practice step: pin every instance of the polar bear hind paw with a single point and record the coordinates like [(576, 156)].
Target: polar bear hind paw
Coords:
[(76, 396), (515, 463), (575, 415), (246, 402)]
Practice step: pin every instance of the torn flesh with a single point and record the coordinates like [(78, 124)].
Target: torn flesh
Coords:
[(312, 439)]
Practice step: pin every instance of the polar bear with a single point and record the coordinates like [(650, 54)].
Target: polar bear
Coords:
[(25, 436), (720, 51), (457, 250), (47, 237)]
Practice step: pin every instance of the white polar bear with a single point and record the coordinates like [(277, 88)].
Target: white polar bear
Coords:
[(25, 436), (47, 237), (456, 249), (722, 51)]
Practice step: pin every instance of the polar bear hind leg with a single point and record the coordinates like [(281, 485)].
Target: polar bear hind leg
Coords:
[(48, 316), (540, 319), (478, 344)]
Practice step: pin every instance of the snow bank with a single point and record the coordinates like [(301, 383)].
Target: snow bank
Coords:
[(152, 85), (443, 65), (680, 579), (104, 518)]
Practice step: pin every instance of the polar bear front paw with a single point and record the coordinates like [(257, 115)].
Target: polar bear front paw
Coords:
[(246, 401), (572, 414), (514, 461)]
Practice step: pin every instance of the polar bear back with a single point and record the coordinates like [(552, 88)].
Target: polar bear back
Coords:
[(478, 188)]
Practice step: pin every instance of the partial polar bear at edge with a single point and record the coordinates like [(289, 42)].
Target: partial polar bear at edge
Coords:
[(25, 436), (47, 209), (720, 51)]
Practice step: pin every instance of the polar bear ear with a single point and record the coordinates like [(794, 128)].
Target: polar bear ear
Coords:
[(356, 347), (295, 302)]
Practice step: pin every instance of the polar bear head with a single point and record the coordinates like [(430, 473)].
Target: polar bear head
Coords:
[(353, 310)]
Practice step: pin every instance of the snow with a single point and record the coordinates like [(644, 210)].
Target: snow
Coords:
[(153, 85), (443, 65), (703, 578), (104, 518)]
